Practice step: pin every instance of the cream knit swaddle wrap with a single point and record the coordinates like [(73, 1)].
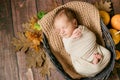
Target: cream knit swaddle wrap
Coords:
[(81, 51)]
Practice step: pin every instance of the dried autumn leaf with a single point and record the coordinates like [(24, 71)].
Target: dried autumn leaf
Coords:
[(106, 5), (26, 27), (30, 61), (30, 25), (30, 41), (16, 43), (45, 69), (21, 42), (40, 61)]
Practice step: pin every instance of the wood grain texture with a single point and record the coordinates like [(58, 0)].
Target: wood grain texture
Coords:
[(89, 1), (22, 65), (116, 6), (47, 5), (8, 62), (56, 75), (65, 1), (22, 11)]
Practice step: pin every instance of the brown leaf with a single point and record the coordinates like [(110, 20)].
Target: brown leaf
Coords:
[(106, 5), (30, 42), (21, 43), (15, 42)]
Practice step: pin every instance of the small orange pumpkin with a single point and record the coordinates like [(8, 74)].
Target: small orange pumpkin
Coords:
[(115, 21), (117, 54), (105, 17)]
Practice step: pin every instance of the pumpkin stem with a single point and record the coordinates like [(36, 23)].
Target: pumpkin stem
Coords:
[(117, 32)]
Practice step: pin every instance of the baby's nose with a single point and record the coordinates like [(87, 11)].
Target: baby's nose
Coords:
[(62, 31)]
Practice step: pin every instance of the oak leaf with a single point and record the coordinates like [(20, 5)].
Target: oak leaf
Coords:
[(103, 5), (30, 41)]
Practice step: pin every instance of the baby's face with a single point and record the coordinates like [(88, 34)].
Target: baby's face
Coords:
[(63, 26)]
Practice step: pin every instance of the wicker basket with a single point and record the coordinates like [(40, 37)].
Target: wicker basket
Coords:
[(104, 74)]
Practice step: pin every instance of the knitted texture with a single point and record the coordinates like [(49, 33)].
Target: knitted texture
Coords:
[(87, 14), (82, 50)]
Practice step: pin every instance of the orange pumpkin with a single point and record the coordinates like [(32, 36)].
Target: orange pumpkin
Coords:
[(105, 17), (115, 21), (115, 35), (117, 54)]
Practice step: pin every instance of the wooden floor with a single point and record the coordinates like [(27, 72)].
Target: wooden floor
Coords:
[(13, 13)]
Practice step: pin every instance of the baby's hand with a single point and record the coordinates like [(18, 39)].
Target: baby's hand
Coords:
[(76, 33), (97, 55), (97, 58)]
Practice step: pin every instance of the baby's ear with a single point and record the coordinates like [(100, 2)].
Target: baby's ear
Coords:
[(75, 22)]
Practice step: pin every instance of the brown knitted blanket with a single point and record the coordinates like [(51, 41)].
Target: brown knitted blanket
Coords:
[(87, 14)]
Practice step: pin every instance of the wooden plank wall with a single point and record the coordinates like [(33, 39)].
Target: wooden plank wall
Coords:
[(8, 62), (13, 13)]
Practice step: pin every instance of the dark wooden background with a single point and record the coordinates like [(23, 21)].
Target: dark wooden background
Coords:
[(13, 13)]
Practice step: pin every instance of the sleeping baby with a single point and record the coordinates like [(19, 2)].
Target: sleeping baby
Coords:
[(88, 57)]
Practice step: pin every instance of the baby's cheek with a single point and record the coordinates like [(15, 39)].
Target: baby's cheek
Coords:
[(70, 33)]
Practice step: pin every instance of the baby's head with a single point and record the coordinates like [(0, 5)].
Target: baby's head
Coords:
[(65, 21)]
